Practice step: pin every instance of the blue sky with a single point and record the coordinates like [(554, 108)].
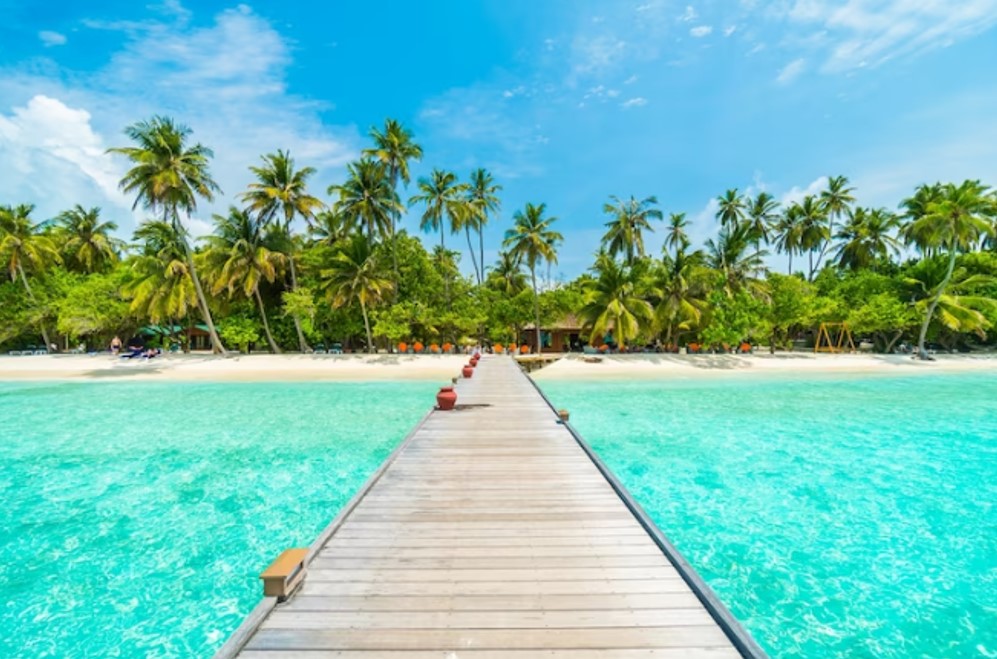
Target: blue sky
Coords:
[(566, 102)]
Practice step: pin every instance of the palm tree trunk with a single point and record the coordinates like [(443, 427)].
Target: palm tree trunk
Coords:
[(481, 250), (536, 306), (474, 261), (810, 255), (394, 257), (366, 325), (790, 272), (446, 273), (302, 344), (921, 352), (31, 296), (216, 342), (266, 325)]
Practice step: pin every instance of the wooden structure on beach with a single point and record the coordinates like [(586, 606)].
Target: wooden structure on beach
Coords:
[(493, 532)]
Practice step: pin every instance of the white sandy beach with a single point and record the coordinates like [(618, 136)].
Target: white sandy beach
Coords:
[(234, 368), (652, 366), (355, 367)]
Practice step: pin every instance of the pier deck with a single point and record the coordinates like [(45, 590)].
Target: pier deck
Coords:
[(493, 533)]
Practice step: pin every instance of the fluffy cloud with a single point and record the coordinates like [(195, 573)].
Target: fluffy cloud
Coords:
[(227, 81), (701, 31), (50, 38), (791, 71), (635, 102)]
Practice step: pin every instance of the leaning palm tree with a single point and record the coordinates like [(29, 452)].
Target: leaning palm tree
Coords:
[(731, 208), (241, 260), (533, 240), (394, 148), (614, 301), (676, 235), (953, 223), (169, 176), (157, 281), (24, 244), (277, 196), (87, 244), (367, 199), (960, 308), (913, 209), (626, 230), (355, 275), (483, 195), (866, 238)]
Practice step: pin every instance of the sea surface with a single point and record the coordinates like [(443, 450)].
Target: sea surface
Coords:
[(135, 518), (835, 516)]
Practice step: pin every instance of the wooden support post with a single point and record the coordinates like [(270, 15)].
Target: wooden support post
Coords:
[(285, 574)]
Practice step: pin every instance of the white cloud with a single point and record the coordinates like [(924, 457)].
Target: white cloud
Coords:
[(631, 80), (791, 71), (729, 30), (635, 102), (797, 194), (689, 14), (701, 31), (869, 32), (596, 54), (50, 38), (227, 81)]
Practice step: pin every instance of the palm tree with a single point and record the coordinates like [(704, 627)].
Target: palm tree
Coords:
[(277, 196), (614, 302), (533, 240), (814, 228), (367, 198), (355, 275), (914, 208), (445, 200), (762, 214), (730, 208), (483, 195), (731, 254), (25, 244), (866, 238), (86, 241), (158, 281), (955, 222), (330, 228), (507, 275), (676, 236), (241, 259), (394, 148), (630, 219), (836, 200), (959, 309), (169, 176), (789, 233), (681, 292)]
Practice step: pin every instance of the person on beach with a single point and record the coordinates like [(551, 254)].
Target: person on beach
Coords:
[(115, 345)]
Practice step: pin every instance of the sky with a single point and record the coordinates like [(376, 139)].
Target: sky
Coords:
[(566, 102)]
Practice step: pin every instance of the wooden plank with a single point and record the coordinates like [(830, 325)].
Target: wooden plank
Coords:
[(675, 600), (656, 653), (452, 588)]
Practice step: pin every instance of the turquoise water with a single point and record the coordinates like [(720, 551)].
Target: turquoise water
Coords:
[(136, 517), (834, 517)]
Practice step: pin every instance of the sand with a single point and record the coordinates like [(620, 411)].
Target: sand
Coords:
[(205, 367), (654, 366)]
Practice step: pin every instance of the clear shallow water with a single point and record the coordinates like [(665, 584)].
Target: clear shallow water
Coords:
[(834, 517), (136, 517)]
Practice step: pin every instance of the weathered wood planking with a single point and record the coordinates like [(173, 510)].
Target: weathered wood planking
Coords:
[(492, 534)]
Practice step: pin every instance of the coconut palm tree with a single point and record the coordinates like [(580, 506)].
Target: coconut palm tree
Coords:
[(87, 245), (916, 207), (733, 255), (836, 199), (394, 148), (953, 223), (867, 238), (814, 228), (158, 281), (355, 275), (676, 236), (681, 292), (169, 176), (532, 240), (614, 301), (789, 233), (330, 228), (952, 294), (25, 245), (507, 275), (762, 215), (445, 200), (731, 208), (483, 195), (277, 196), (367, 198), (626, 230), (241, 260)]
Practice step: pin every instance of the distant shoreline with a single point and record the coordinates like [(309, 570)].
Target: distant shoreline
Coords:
[(384, 367)]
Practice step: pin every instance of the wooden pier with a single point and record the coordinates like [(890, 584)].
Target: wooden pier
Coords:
[(493, 532)]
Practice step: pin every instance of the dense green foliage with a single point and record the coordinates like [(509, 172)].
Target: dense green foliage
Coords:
[(926, 273)]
